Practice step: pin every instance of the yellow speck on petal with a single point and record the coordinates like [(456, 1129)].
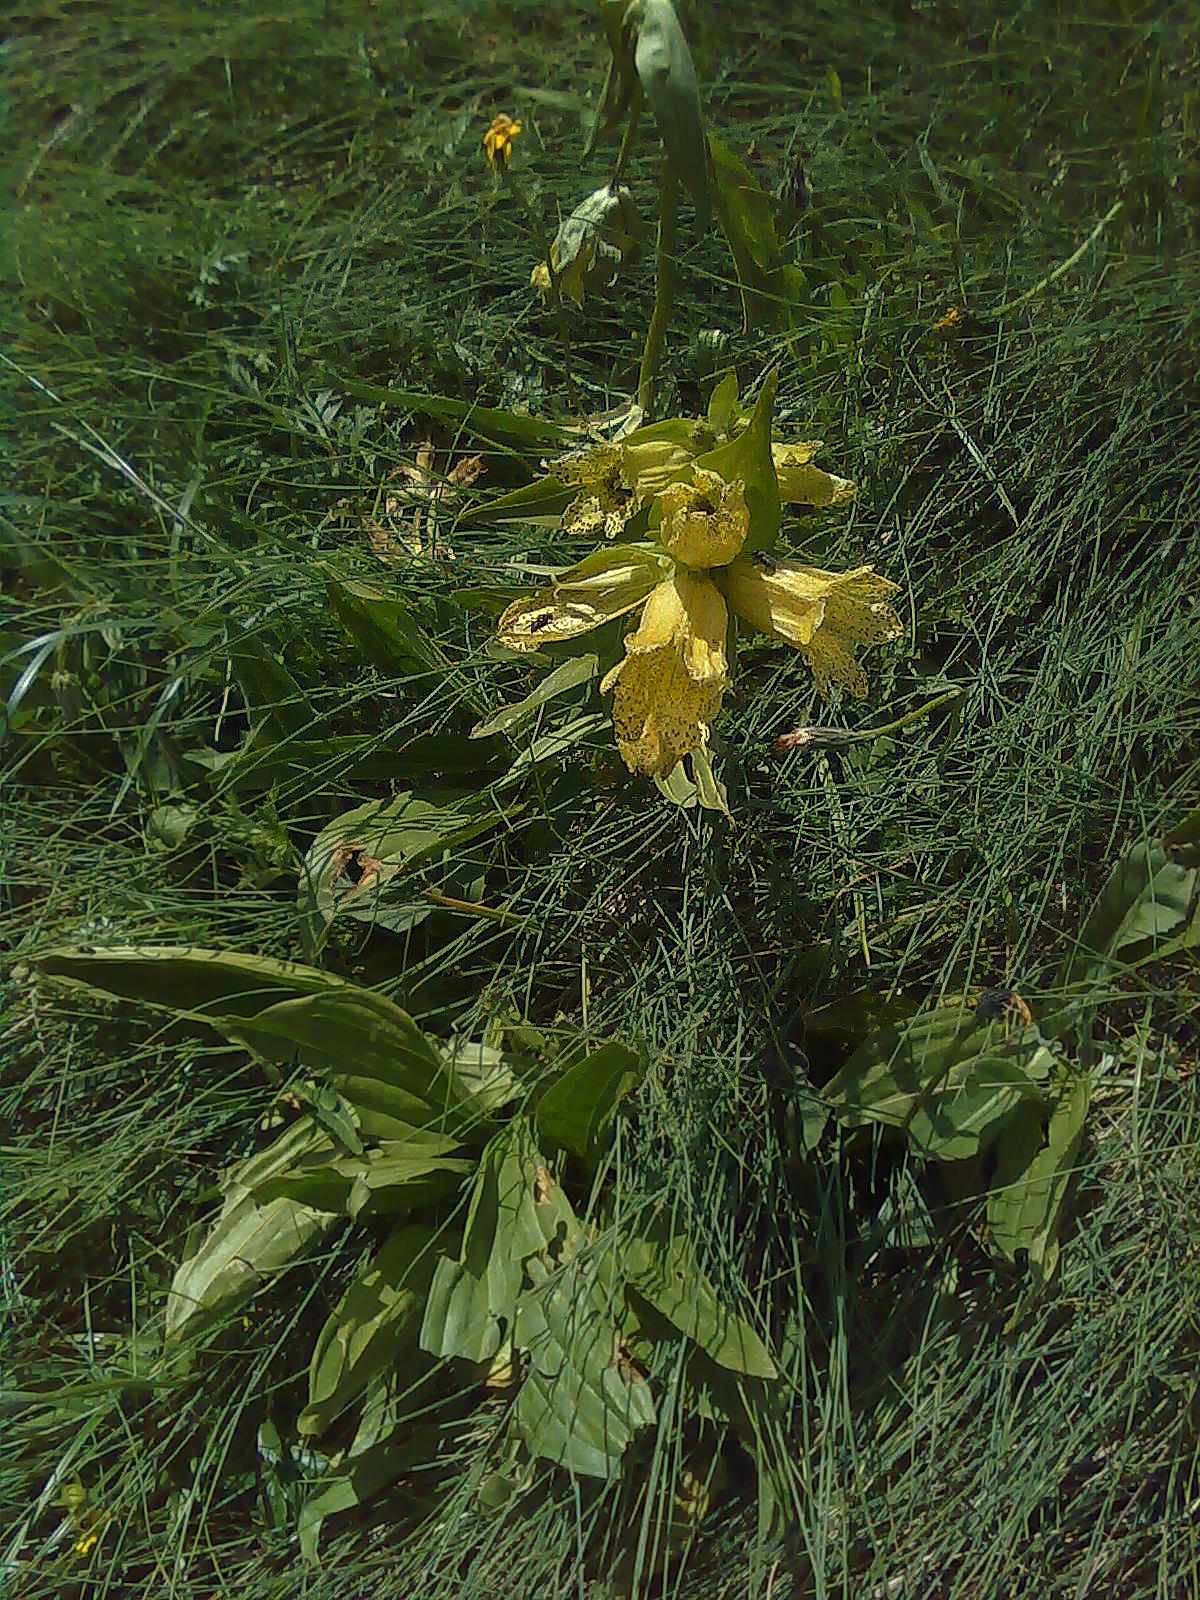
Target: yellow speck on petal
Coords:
[(823, 614), (703, 523), (498, 141)]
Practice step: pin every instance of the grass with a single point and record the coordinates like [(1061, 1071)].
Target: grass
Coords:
[(221, 212)]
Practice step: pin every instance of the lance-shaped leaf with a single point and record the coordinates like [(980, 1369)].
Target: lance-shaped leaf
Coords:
[(512, 429), (1033, 1176), (660, 1263), (285, 1011), (769, 286), (949, 1082), (1148, 898), (517, 1210), (581, 1400), (575, 1113), (748, 459), (668, 79), (384, 628), (374, 1325), (404, 1174), (621, 88), (579, 669)]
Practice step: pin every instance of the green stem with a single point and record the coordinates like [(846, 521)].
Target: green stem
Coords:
[(664, 291), (627, 138), (840, 736)]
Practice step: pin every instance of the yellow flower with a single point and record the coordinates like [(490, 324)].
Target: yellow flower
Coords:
[(800, 483), (498, 141), (824, 614), (615, 480), (703, 523), (668, 689)]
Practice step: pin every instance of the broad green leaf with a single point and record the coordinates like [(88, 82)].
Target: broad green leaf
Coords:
[(384, 628), (668, 79), (746, 214), (353, 859), (1032, 1177), (373, 1326), (660, 1263), (371, 756), (579, 669), (748, 458), (580, 1402), (555, 744), (948, 1081), (510, 429), (403, 1176), (186, 979), (284, 1010), (247, 1245), (575, 1112), (1147, 898), (957, 1119), (516, 1210), (406, 1448)]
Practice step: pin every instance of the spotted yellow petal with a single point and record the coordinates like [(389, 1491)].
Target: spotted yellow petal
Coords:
[(686, 612), (660, 713), (604, 585), (670, 684), (824, 614)]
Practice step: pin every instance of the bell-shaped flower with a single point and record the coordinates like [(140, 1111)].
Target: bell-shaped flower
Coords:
[(669, 686), (703, 522), (825, 615)]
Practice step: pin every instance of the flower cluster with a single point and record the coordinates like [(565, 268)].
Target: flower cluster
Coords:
[(684, 578)]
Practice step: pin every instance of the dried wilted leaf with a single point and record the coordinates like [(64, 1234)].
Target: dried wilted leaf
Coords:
[(409, 528)]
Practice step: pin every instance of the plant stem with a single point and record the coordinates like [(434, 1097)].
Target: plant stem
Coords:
[(631, 127), (664, 292)]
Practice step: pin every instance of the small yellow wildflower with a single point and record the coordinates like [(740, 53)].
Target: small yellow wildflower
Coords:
[(498, 141), (949, 320), (824, 614), (703, 523)]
